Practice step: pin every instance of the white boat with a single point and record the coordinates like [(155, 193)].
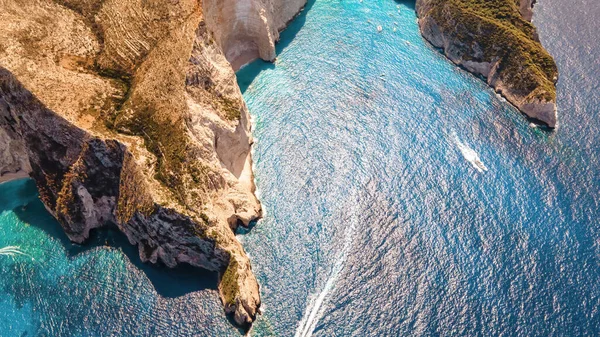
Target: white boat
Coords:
[(480, 164)]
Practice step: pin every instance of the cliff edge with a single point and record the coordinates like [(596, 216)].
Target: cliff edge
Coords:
[(127, 113), (247, 30), (495, 39)]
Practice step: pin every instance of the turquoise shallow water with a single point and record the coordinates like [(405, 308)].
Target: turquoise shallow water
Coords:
[(378, 219), (101, 289)]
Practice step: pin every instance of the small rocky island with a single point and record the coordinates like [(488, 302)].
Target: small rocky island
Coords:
[(495, 39)]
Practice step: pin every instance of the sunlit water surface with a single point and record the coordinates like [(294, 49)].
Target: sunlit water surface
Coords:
[(402, 198)]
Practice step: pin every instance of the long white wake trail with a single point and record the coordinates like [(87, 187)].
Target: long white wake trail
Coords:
[(469, 154), (315, 309)]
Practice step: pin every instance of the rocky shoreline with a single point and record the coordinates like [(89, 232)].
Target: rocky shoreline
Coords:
[(496, 40), (246, 31), (128, 114)]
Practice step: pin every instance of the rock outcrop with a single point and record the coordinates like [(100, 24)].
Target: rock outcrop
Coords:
[(127, 113), (495, 39), (247, 30)]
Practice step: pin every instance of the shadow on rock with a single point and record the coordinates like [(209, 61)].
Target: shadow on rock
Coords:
[(167, 282)]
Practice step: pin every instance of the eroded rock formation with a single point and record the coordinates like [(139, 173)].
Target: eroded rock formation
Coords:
[(127, 113), (247, 30)]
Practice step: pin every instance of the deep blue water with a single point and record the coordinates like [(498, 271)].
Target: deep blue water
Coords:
[(379, 222)]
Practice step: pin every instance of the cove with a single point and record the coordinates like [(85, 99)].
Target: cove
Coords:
[(403, 197), (377, 222)]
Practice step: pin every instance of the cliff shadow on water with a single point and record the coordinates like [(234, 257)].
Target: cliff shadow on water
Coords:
[(247, 74), (408, 3), (17, 193), (170, 283)]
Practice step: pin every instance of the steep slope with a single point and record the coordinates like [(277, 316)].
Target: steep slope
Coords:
[(495, 39), (127, 113)]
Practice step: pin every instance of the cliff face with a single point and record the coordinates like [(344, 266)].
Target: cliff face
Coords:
[(127, 113), (247, 30), (495, 39), (14, 162)]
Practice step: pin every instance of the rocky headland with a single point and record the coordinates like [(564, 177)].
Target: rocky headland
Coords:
[(495, 39), (127, 113)]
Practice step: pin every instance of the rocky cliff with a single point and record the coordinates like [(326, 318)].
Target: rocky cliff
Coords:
[(247, 30), (495, 39), (127, 113), (14, 162)]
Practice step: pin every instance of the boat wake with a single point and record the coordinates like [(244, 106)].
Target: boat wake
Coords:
[(469, 154), (314, 311), (13, 251)]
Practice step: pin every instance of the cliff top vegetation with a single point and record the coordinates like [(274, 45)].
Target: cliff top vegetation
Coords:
[(495, 30)]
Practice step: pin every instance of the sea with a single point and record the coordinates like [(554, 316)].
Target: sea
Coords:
[(402, 197)]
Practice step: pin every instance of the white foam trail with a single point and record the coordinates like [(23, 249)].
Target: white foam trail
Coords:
[(314, 311), (469, 154), (13, 251)]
